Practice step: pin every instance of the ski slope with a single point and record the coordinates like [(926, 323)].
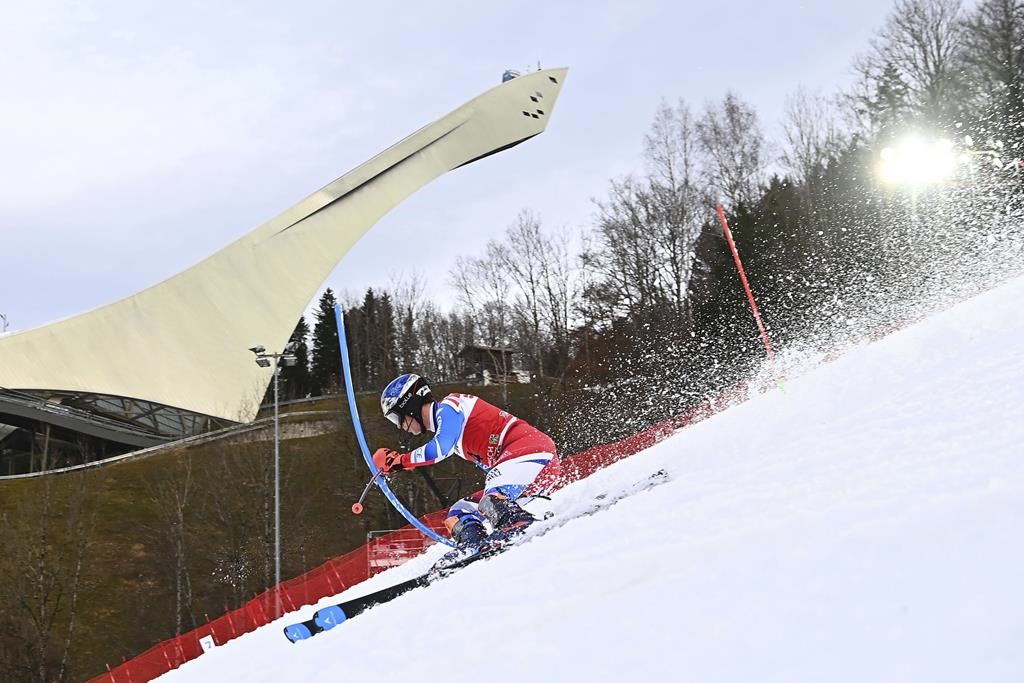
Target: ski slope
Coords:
[(864, 522)]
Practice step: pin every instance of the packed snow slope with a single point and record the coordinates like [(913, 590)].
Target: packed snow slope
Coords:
[(864, 522)]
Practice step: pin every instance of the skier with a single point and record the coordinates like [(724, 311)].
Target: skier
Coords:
[(520, 460)]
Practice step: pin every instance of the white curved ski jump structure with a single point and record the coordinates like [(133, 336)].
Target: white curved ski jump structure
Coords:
[(184, 342)]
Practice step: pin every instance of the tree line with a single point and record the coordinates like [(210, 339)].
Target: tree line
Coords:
[(644, 302)]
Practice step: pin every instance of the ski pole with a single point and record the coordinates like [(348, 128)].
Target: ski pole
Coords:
[(357, 507)]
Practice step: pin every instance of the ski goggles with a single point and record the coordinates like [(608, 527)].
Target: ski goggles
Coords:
[(394, 417)]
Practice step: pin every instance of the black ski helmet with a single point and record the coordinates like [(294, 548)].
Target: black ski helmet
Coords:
[(405, 395)]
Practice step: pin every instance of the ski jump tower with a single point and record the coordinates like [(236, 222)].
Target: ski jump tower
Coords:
[(159, 364)]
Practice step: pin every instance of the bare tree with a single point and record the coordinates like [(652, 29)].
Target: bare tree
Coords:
[(408, 296), (171, 493), (483, 291), (242, 516), (994, 57), (812, 134), (679, 201), (40, 582), (671, 147), (560, 295), (641, 257), (540, 266), (521, 255), (918, 49), (623, 256), (734, 149), (813, 139), (440, 337)]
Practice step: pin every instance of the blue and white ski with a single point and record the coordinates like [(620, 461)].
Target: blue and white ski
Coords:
[(327, 618)]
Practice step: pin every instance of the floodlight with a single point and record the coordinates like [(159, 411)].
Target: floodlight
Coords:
[(263, 362), (257, 349), (916, 161)]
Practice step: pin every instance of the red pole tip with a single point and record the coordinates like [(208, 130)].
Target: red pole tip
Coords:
[(357, 508)]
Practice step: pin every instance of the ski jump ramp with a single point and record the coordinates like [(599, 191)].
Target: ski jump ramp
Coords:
[(184, 343)]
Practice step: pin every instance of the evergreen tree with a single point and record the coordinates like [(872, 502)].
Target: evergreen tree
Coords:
[(373, 341), (379, 339), (296, 378), (355, 323), (890, 105), (387, 344), (325, 371), (408, 342), (367, 339)]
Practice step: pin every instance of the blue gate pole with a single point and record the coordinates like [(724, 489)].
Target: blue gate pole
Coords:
[(358, 427)]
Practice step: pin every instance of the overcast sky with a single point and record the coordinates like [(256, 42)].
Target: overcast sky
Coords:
[(138, 137)]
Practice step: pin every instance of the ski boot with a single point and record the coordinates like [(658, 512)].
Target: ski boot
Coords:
[(468, 532), (505, 515), (470, 537)]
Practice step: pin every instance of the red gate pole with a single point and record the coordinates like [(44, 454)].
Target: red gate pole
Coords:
[(746, 285)]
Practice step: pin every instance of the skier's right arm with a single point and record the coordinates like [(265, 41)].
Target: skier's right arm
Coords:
[(450, 423)]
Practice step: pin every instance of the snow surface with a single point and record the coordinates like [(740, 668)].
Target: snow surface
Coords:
[(864, 522)]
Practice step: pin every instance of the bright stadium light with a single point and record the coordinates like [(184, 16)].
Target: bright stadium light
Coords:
[(916, 161)]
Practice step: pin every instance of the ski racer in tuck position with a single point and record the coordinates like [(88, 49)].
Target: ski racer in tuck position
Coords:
[(520, 460)]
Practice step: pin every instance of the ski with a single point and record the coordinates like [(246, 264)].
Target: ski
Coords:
[(326, 618)]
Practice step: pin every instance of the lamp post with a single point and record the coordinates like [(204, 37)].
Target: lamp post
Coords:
[(263, 359)]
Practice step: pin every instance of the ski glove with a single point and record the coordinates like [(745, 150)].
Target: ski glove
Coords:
[(388, 461)]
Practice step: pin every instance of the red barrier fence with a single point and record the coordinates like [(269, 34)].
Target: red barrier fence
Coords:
[(356, 566)]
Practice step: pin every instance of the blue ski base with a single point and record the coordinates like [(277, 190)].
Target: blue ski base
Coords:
[(326, 618)]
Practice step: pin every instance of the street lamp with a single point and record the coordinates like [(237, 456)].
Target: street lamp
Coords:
[(263, 359)]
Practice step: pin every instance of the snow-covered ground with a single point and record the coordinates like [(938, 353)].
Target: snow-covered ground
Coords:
[(864, 522)]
